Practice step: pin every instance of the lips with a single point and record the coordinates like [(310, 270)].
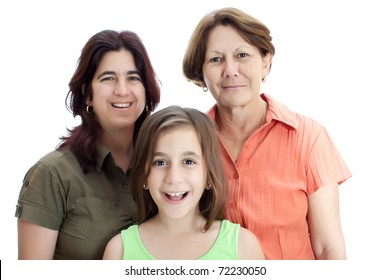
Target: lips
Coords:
[(232, 86), (122, 105), (176, 196)]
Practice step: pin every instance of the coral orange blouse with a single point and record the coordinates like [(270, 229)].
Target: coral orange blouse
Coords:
[(279, 167)]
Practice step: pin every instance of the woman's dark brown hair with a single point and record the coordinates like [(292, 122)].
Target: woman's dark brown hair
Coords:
[(212, 202), (82, 139), (251, 29)]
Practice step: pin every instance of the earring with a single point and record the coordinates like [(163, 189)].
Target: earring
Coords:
[(263, 79), (209, 187), (144, 187), (89, 109), (205, 89), (146, 108)]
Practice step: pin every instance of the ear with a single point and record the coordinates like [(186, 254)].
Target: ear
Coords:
[(88, 101), (267, 62)]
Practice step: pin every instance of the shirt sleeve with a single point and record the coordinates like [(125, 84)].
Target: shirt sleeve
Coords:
[(42, 199), (325, 164)]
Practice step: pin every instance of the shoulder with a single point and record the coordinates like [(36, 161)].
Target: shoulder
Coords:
[(283, 114), (248, 246), (58, 157), (53, 166), (246, 235), (58, 163), (114, 249)]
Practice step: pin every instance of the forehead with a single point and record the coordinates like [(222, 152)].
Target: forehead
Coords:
[(222, 31), (117, 59), (223, 35), (182, 135)]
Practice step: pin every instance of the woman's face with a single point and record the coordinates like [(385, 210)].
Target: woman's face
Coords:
[(118, 92), (233, 69)]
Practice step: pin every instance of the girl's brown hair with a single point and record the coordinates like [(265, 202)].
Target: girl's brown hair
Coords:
[(212, 202)]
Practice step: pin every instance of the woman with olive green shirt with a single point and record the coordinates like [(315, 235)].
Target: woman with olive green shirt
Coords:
[(76, 198)]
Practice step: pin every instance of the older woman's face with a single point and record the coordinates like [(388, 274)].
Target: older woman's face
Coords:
[(233, 69)]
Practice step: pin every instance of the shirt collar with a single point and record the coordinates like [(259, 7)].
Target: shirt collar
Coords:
[(277, 111), (103, 152)]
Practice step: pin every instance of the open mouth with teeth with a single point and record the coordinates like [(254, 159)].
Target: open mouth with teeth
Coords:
[(121, 105), (176, 196)]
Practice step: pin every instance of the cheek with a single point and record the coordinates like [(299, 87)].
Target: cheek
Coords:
[(209, 77), (140, 91)]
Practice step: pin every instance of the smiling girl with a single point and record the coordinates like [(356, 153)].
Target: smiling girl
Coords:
[(180, 188)]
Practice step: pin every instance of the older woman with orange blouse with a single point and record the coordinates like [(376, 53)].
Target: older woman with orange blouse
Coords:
[(283, 169)]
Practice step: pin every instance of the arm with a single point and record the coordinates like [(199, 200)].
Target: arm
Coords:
[(248, 246), (324, 222), (35, 242), (114, 249)]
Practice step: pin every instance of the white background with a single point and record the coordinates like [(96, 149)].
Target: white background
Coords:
[(332, 63)]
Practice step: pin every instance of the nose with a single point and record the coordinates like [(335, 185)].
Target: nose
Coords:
[(173, 175), (121, 87), (231, 68)]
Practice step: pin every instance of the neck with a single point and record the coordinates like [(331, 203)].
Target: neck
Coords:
[(121, 147), (241, 122)]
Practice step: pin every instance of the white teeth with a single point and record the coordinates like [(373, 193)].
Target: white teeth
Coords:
[(121, 105), (176, 194)]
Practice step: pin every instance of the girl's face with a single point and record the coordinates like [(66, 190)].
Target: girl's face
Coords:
[(118, 92), (177, 176), (233, 69)]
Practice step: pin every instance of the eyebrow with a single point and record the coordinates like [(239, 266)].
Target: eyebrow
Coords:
[(236, 49), (131, 72), (188, 153)]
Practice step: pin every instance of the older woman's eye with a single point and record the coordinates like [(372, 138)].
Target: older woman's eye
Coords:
[(215, 59), (243, 55)]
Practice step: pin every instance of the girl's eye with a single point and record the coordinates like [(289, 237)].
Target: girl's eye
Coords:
[(159, 163), (189, 162)]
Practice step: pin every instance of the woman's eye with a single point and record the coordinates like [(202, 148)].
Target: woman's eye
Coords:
[(134, 78), (242, 55), (215, 59), (108, 79)]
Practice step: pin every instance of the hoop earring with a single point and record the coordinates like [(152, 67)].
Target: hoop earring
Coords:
[(89, 109), (205, 89)]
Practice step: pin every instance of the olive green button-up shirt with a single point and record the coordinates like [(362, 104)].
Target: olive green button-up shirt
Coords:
[(86, 209)]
